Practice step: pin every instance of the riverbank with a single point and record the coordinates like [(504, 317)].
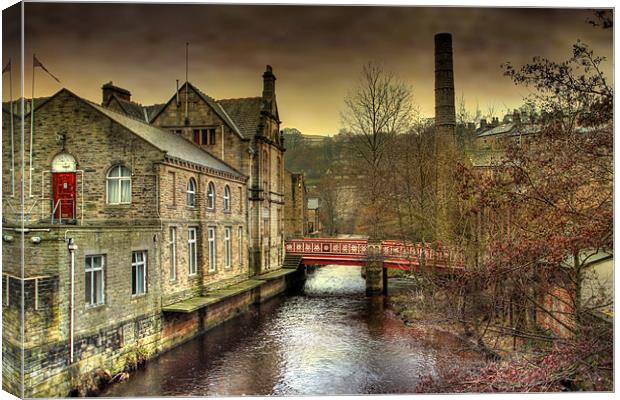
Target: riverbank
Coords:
[(328, 339), (175, 325), (512, 364)]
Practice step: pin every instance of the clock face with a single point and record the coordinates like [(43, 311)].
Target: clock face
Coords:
[(63, 163)]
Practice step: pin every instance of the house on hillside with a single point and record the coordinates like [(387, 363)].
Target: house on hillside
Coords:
[(314, 216)]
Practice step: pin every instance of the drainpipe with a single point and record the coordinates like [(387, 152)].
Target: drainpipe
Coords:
[(72, 247)]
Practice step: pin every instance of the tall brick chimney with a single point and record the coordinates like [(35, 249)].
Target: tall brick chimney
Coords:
[(445, 118), (269, 84)]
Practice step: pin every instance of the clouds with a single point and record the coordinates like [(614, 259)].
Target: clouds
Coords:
[(316, 51)]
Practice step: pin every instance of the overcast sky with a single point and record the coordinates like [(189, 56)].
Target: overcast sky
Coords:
[(316, 52)]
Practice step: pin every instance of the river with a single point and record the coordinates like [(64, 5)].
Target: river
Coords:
[(328, 340)]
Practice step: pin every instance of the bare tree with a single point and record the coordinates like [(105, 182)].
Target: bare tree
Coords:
[(375, 111)]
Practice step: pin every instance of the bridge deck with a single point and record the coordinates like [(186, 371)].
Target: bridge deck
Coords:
[(395, 254)]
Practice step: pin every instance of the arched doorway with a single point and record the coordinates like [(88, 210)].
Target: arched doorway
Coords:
[(64, 187)]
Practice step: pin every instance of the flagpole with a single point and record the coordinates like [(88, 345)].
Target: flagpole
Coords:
[(186, 81), (31, 130), (12, 134)]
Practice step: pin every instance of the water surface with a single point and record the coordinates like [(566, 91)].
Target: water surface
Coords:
[(330, 339)]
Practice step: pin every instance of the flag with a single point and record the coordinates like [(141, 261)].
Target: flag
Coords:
[(37, 63), (7, 67)]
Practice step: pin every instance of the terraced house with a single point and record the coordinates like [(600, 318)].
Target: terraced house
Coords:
[(142, 227)]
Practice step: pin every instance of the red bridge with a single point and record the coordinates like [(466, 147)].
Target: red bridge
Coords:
[(395, 254)]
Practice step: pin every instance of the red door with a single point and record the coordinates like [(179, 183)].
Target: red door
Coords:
[(64, 195)]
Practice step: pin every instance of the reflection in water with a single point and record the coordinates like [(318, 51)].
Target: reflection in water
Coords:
[(329, 340)]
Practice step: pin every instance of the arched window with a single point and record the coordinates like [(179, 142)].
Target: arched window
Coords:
[(191, 193), (119, 185), (211, 196), (226, 198)]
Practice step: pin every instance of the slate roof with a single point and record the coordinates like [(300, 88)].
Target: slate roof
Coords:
[(511, 128), (245, 112), (217, 108), (223, 114), (503, 128), (138, 111), (153, 109), (174, 145), (17, 106)]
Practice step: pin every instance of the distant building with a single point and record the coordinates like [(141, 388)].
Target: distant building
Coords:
[(314, 220), (485, 145), (295, 205), (314, 140)]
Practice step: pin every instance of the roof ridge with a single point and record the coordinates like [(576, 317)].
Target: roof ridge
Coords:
[(240, 98), (125, 114), (105, 110)]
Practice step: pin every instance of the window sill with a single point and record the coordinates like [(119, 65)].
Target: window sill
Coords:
[(95, 306), (211, 210), (138, 296), (213, 272), (192, 276), (119, 205)]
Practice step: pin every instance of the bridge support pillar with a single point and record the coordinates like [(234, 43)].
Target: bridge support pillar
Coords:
[(376, 276)]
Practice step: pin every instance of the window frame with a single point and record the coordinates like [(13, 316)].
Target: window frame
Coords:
[(134, 272), (212, 136), (191, 194), (192, 251), (227, 199), (211, 196), (211, 249), (92, 270), (227, 247), (119, 181), (240, 244), (172, 243)]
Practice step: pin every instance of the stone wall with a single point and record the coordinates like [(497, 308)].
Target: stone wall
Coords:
[(295, 206), (97, 144), (201, 115), (176, 213)]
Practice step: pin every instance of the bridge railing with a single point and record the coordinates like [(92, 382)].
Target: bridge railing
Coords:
[(330, 246), (400, 253)]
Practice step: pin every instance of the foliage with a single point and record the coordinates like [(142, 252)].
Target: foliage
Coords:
[(572, 365)]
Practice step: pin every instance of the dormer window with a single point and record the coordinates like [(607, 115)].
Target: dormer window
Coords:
[(212, 136), (204, 136)]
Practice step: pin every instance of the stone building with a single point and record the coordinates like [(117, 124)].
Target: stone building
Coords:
[(295, 205), (314, 216), (244, 133), (136, 235)]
